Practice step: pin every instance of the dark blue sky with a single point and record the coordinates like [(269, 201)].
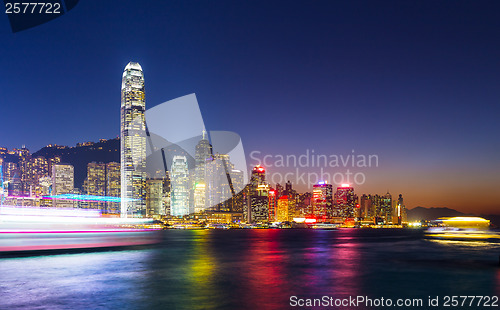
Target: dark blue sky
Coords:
[(415, 82)]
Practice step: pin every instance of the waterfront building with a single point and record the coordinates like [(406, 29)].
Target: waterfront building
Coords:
[(305, 204), (25, 167), (366, 207), (63, 179), (95, 184), (154, 198), (273, 205), (9, 170), (219, 184), (133, 142), (167, 194), (322, 201), (346, 202), (285, 207), (15, 184), (179, 181), (386, 208), (399, 216), (257, 203), (39, 170), (203, 154), (113, 188), (46, 190)]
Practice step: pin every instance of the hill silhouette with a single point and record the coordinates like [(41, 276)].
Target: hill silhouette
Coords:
[(79, 156)]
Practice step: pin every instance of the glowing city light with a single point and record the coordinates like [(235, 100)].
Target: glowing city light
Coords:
[(259, 168), (469, 219), (88, 198), (74, 220), (38, 212), (304, 220)]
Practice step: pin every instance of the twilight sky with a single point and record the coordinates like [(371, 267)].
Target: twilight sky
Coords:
[(416, 83)]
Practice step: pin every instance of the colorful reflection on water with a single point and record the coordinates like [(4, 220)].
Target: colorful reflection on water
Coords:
[(250, 269)]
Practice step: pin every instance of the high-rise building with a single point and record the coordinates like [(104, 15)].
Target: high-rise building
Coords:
[(273, 201), (257, 208), (386, 208), (8, 170), (279, 190), (285, 208), (15, 184), (113, 186), (259, 204), (346, 202), (399, 216), (54, 160), (366, 207), (199, 197), (288, 188), (304, 204), (179, 182), (63, 179), (103, 180), (218, 186), (39, 169), (203, 154), (154, 197), (25, 166), (133, 142), (46, 190), (96, 184), (167, 193), (382, 209), (322, 201), (258, 176)]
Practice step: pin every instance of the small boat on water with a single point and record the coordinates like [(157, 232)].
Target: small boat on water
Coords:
[(462, 229), (325, 226)]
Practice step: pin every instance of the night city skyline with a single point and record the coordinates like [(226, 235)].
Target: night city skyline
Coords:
[(417, 87), (180, 154)]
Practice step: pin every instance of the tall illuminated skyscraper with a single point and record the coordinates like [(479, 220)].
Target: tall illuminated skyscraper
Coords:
[(257, 209), (218, 188), (399, 211), (272, 205), (386, 208), (322, 201), (346, 201), (284, 209), (179, 179), (202, 155), (133, 142)]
